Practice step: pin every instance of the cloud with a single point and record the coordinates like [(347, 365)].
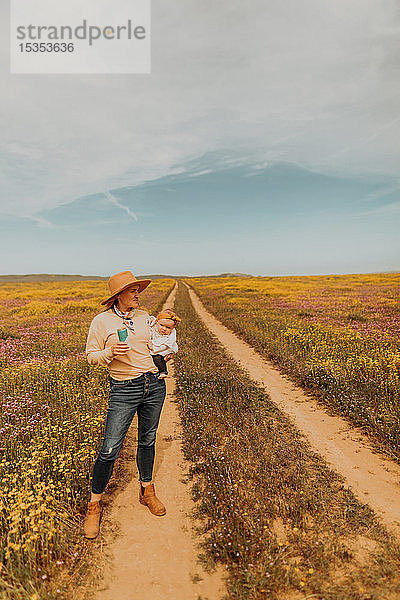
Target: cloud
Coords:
[(114, 201), (306, 81), (384, 191), (40, 221), (381, 130), (387, 210), (21, 150)]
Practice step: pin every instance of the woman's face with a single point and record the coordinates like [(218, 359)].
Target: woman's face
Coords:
[(128, 298)]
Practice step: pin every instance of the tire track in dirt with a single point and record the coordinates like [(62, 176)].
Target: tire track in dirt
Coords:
[(373, 478), (156, 557)]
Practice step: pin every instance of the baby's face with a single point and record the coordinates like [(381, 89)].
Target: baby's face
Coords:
[(165, 326)]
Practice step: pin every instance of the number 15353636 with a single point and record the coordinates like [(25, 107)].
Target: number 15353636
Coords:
[(46, 47)]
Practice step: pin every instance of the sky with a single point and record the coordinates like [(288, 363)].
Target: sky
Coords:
[(300, 96)]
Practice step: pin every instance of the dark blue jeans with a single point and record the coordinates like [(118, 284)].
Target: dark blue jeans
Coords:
[(146, 395)]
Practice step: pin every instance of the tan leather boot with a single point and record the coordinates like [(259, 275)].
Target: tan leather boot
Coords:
[(147, 496), (91, 526)]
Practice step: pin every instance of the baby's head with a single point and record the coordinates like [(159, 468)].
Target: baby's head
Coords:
[(166, 321)]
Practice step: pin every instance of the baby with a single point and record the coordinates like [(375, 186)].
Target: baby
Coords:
[(163, 339)]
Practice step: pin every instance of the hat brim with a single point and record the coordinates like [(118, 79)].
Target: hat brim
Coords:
[(142, 283)]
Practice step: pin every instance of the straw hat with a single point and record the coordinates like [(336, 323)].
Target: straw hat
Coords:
[(119, 282)]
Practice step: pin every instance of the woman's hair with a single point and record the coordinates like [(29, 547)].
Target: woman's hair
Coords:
[(110, 303)]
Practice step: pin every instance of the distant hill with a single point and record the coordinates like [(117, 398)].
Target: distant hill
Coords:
[(233, 275), (216, 275)]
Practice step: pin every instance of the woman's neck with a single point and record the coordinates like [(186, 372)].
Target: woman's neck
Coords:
[(123, 308)]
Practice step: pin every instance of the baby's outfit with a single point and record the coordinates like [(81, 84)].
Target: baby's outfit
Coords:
[(162, 345)]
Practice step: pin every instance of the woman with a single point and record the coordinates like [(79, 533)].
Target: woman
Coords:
[(133, 387)]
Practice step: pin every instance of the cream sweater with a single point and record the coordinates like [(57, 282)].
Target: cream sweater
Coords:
[(103, 334)]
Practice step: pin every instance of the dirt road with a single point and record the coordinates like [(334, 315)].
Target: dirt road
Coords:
[(374, 479), (156, 557)]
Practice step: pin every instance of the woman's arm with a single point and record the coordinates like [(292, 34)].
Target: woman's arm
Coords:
[(95, 352)]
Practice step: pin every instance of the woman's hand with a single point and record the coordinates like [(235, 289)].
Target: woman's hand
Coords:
[(120, 348), (168, 357)]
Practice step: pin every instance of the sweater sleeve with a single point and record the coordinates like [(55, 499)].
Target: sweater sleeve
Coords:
[(95, 352)]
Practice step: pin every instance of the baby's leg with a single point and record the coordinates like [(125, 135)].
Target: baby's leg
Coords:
[(161, 365)]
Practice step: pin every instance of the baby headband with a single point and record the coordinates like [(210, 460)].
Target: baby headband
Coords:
[(169, 315)]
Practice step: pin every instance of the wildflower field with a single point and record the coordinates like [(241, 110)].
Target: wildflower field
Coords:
[(52, 411), (271, 511), (337, 336)]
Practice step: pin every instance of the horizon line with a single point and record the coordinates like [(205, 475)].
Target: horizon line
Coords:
[(169, 276)]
